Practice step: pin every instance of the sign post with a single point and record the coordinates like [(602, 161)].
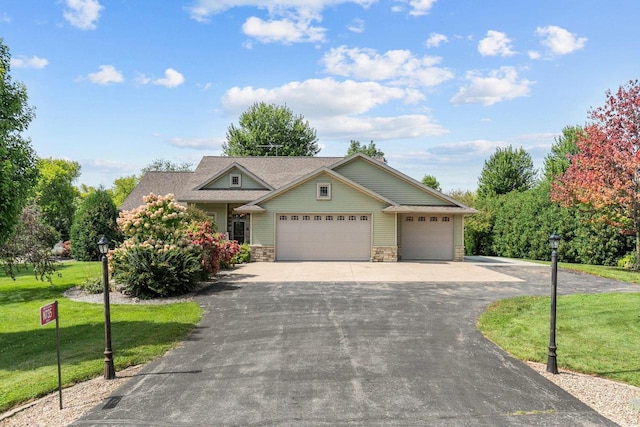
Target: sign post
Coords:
[(49, 313)]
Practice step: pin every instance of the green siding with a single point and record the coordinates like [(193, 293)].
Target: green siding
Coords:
[(223, 182), (458, 230), (387, 184), (221, 214), (302, 199)]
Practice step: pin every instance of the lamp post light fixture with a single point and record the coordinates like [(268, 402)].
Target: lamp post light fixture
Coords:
[(552, 363), (109, 369)]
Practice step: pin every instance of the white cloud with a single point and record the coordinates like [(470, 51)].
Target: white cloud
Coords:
[(397, 66), (318, 97), (436, 40), (356, 26), (560, 41), (534, 54), (499, 85), (107, 74), (82, 14), (171, 79), (5, 18), (287, 30), (496, 43), (202, 10), (377, 128), (337, 109), (33, 62), (416, 7), (197, 143)]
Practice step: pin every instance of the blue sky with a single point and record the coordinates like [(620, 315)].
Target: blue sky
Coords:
[(436, 84)]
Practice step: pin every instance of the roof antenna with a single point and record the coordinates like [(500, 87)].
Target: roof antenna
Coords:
[(276, 146)]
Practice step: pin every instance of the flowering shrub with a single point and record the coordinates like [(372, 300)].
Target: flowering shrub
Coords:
[(167, 249), (228, 250), (157, 258), (216, 251), (159, 218)]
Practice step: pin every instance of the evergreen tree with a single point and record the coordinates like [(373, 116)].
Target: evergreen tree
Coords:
[(95, 217)]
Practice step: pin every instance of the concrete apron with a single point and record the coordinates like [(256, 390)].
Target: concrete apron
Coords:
[(474, 269)]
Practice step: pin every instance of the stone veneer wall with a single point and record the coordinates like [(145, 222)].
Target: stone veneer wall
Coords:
[(263, 253), (384, 254), (459, 253)]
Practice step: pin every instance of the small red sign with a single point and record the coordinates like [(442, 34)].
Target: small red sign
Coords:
[(48, 313)]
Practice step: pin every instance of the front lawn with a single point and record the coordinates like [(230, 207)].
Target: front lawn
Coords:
[(140, 333), (608, 272), (596, 334)]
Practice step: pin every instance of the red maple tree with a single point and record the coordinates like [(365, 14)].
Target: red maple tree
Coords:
[(604, 174)]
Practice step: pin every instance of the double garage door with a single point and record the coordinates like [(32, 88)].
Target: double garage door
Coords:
[(427, 237), (326, 237)]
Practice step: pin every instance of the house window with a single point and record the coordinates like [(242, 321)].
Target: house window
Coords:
[(294, 217), (421, 219), (433, 219), (212, 215), (364, 218), (317, 218), (235, 180), (340, 217), (352, 217), (323, 191), (328, 218), (283, 217), (445, 219), (306, 217), (409, 219)]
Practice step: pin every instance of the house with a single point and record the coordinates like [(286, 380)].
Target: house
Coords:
[(318, 208)]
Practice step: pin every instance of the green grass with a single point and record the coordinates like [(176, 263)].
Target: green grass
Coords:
[(614, 273), (140, 333), (596, 334)]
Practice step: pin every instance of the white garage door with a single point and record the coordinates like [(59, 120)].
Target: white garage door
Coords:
[(428, 237), (329, 237)]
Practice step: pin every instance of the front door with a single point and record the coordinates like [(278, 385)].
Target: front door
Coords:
[(238, 231)]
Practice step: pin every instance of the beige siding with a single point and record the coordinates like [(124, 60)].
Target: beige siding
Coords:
[(220, 210), (223, 182), (387, 184), (344, 199)]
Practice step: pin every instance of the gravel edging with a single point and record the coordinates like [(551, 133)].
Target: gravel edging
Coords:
[(617, 401)]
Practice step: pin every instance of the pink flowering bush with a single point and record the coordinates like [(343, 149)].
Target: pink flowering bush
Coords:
[(216, 251), (158, 258), (166, 250)]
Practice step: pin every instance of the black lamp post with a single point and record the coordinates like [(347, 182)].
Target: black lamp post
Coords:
[(552, 364), (109, 369)]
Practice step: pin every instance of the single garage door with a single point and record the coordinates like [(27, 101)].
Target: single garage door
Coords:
[(427, 237), (328, 237)]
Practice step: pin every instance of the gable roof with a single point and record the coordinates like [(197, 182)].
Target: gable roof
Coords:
[(253, 206), (277, 174), (402, 176), (234, 165), (156, 182)]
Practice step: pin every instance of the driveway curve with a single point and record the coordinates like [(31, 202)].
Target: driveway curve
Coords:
[(357, 353)]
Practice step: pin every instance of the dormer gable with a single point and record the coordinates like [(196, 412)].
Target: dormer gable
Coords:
[(234, 177)]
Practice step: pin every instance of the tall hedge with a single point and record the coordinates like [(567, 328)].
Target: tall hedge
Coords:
[(96, 216)]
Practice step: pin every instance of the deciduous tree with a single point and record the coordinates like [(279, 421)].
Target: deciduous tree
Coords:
[(605, 172), (268, 130), (505, 171), (18, 172), (431, 181), (566, 145), (370, 150), (55, 193)]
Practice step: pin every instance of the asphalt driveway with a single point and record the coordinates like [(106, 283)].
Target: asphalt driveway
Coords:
[(361, 353)]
